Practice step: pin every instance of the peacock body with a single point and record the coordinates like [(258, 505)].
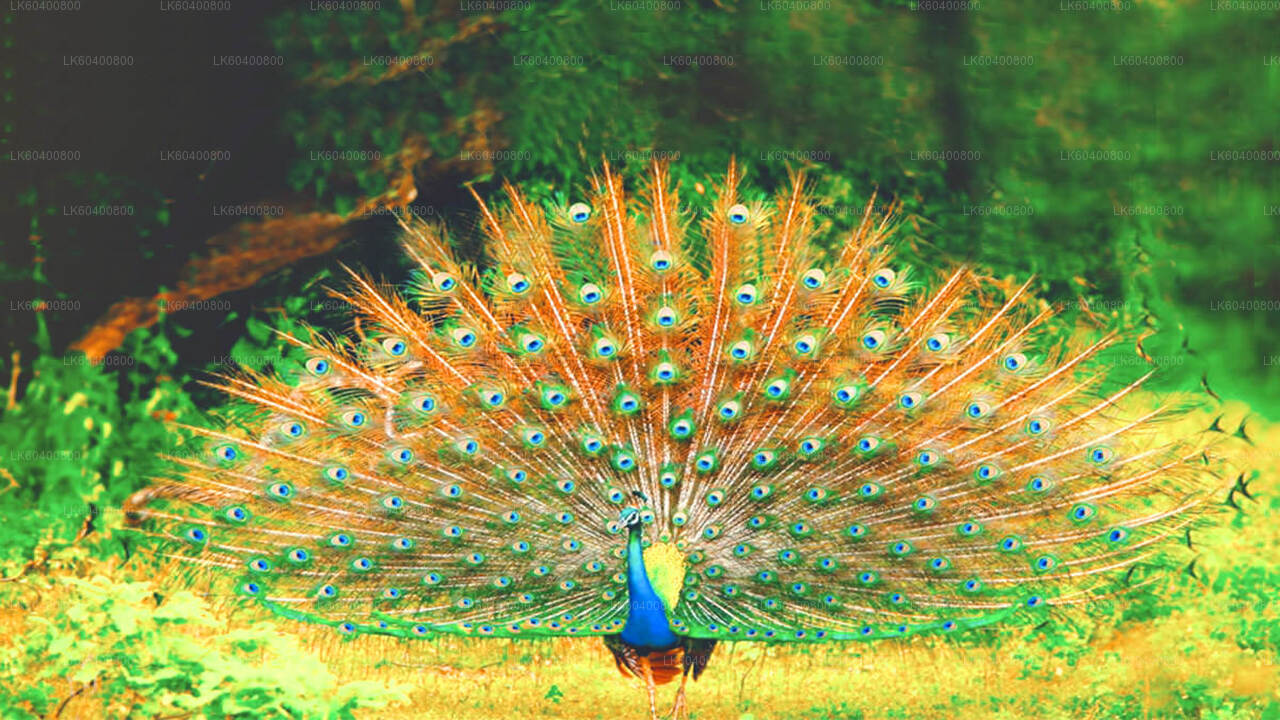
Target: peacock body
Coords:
[(670, 435)]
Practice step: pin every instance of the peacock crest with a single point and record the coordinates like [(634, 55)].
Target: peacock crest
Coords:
[(812, 440)]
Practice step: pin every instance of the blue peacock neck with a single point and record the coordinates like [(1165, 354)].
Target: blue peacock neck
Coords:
[(647, 626)]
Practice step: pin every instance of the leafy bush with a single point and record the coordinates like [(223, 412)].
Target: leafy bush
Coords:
[(121, 649), (81, 437)]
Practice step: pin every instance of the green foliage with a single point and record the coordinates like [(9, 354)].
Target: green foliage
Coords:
[(136, 653), (81, 437)]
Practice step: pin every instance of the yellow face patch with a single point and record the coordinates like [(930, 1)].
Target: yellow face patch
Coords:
[(666, 567)]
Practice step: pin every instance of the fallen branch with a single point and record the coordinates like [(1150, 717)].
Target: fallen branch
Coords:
[(242, 256)]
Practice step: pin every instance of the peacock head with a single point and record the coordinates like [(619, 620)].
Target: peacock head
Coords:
[(630, 518)]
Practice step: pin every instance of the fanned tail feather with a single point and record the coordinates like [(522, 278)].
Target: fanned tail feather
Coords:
[(839, 446)]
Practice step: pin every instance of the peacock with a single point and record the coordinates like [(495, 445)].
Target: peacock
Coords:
[(670, 432)]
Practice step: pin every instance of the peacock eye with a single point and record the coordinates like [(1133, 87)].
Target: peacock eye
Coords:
[(579, 212), (910, 401), (977, 409), (986, 472), (1009, 544), (1014, 362), (682, 428), (463, 337), (873, 340), (1100, 455), (424, 404), (590, 294), (1037, 426), (813, 279), (664, 372), (665, 316), (761, 460), (777, 389), (628, 403), (927, 458), (531, 343), (938, 342), (740, 350), (883, 279), (533, 437), (394, 347), (444, 282), (660, 260), (226, 453), (605, 348), (317, 366), (706, 462), (745, 294), (354, 418), (738, 214), (337, 474), (517, 283), (805, 344), (845, 394), (811, 446), (1045, 563), (867, 444), (729, 409), (624, 461)]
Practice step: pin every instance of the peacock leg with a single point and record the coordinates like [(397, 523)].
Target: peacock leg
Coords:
[(681, 708), (650, 687)]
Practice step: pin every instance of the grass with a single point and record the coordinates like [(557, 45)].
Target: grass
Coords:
[(1199, 647)]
